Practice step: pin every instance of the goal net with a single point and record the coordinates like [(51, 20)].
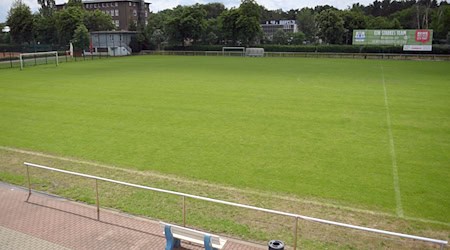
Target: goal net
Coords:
[(32, 59), (233, 51), (254, 52)]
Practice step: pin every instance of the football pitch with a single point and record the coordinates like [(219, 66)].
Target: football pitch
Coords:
[(367, 134)]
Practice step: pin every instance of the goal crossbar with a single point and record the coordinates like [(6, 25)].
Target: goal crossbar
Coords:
[(37, 54), (234, 50)]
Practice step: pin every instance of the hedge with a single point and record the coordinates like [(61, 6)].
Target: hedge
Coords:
[(437, 48)]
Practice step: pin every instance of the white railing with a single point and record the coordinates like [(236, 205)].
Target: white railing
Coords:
[(392, 56), (441, 243)]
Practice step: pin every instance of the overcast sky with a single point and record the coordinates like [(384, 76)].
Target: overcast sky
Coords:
[(158, 5)]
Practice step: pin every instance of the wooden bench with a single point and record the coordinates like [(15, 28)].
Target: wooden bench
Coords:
[(174, 234)]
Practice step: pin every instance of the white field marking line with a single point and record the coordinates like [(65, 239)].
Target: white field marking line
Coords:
[(398, 198), (260, 193)]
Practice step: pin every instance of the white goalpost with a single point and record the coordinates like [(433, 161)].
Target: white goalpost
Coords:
[(38, 58), (233, 51)]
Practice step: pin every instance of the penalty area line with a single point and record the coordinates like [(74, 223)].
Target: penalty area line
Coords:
[(398, 198)]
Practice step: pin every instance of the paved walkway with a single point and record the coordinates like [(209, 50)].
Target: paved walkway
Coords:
[(47, 222)]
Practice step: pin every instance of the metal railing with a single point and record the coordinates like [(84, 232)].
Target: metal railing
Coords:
[(296, 217), (389, 56)]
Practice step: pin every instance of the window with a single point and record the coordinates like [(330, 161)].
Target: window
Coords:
[(112, 12), (117, 23), (107, 4), (117, 4), (95, 5), (129, 4), (146, 14), (117, 12), (134, 13), (134, 4)]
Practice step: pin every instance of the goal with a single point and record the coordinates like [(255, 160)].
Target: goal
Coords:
[(31, 59), (233, 51), (254, 52)]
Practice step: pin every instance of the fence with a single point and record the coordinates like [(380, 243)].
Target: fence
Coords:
[(295, 217), (11, 59), (311, 55)]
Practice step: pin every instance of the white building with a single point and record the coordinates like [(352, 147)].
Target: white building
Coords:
[(270, 27)]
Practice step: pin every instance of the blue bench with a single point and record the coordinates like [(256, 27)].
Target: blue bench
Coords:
[(174, 234)]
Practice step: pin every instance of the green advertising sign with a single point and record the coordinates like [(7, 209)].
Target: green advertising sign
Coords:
[(393, 37)]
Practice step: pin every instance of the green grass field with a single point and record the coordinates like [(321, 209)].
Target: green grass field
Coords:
[(317, 129)]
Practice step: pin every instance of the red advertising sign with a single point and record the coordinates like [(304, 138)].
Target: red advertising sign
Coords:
[(423, 36)]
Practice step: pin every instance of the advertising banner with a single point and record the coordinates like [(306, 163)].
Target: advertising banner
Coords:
[(421, 39)]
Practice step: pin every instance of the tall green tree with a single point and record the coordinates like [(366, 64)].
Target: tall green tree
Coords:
[(45, 28), (213, 10), (352, 20), (441, 22), (67, 21), (80, 38), (228, 26), (187, 23), (97, 21), (306, 20), (247, 24), (20, 20), (331, 26)]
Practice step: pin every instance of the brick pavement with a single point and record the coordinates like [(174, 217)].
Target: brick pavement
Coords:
[(50, 222)]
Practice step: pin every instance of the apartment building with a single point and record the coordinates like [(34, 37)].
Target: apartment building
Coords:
[(122, 12)]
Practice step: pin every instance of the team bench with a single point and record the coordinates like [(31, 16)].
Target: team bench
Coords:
[(174, 234)]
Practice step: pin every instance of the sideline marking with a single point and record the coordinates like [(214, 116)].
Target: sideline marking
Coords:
[(398, 198), (261, 193)]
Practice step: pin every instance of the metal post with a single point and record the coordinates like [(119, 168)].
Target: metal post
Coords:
[(295, 233), (29, 183), (98, 203), (184, 211)]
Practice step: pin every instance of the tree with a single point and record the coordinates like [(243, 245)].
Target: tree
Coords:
[(67, 21), (352, 20), (75, 3), (213, 10), (158, 37), (247, 24), (306, 20), (97, 21), (80, 38), (331, 26), (297, 38), (45, 28), (20, 20), (280, 37), (441, 22), (228, 25), (187, 23)]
